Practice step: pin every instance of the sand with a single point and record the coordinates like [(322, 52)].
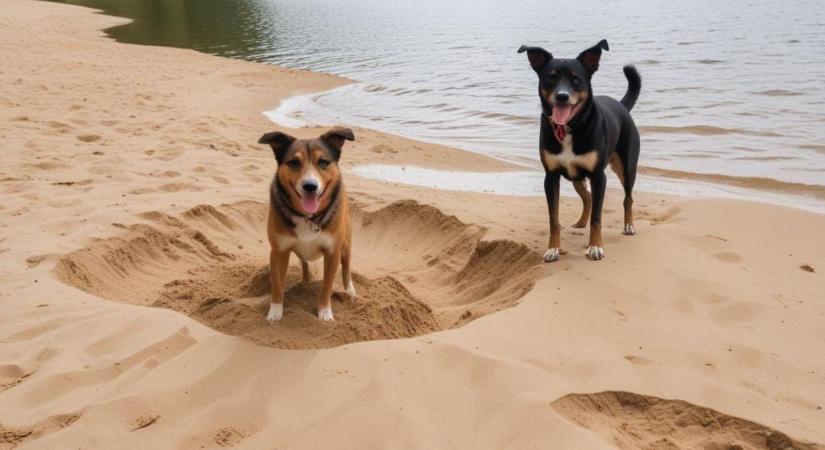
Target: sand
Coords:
[(132, 284)]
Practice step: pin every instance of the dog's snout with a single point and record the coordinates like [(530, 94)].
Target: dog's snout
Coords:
[(310, 186), (562, 97)]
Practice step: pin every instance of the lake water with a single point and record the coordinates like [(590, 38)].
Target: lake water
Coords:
[(733, 93)]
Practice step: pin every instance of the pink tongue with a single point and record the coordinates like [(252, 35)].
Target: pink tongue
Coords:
[(310, 204), (561, 114)]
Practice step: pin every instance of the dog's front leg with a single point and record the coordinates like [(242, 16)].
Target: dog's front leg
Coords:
[(332, 259), (598, 184), (278, 263), (551, 191)]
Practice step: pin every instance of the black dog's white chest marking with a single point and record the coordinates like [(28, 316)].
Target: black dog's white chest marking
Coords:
[(568, 160)]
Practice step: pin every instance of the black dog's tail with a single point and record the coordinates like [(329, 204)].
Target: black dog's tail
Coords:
[(634, 86)]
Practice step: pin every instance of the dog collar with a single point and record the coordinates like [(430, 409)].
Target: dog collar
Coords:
[(559, 131), (313, 225)]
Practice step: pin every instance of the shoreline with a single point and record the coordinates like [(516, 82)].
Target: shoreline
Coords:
[(796, 195), (667, 181), (131, 249)]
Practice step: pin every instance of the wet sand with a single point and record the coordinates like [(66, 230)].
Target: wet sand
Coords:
[(133, 292)]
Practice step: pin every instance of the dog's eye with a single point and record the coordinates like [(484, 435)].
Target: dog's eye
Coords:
[(576, 80), (323, 163), (294, 164)]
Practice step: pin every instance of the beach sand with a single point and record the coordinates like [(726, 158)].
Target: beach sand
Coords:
[(131, 178)]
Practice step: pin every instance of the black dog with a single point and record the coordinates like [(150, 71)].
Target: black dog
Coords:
[(580, 135)]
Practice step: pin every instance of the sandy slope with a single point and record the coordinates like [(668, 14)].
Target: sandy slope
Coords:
[(130, 177)]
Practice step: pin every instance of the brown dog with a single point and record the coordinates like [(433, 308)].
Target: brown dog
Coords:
[(308, 213)]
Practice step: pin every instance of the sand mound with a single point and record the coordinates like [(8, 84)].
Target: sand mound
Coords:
[(13, 437), (445, 262), (633, 421), (211, 264)]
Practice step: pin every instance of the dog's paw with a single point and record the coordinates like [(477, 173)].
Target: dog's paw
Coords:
[(276, 311), (552, 254), (629, 230), (325, 314), (595, 253), (351, 290)]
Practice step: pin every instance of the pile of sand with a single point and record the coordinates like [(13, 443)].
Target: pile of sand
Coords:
[(211, 264), (634, 421)]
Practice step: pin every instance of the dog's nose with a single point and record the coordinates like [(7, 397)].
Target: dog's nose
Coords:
[(310, 186), (562, 97)]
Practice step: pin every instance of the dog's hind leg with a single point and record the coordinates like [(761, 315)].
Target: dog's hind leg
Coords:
[(598, 185), (625, 168), (346, 275), (629, 180), (581, 189)]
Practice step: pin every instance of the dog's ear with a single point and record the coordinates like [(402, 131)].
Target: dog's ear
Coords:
[(537, 56), (590, 57), (335, 137), (279, 142)]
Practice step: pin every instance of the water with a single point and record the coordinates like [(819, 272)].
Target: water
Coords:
[(531, 183), (730, 88)]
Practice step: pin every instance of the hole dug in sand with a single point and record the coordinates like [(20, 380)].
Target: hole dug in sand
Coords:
[(633, 421), (416, 271)]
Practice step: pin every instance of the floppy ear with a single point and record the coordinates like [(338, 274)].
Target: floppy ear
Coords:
[(537, 56), (279, 142), (590, 57), (335, 137)]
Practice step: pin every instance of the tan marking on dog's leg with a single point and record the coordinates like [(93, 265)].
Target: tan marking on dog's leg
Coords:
[(595, 248), (581, 189), (598, 185), (618, 168), (629, 229), (346, 275), (331, 262), (555, 237), (278, 263), (306, 275), (595, 236), (551, 191), (555, 229)]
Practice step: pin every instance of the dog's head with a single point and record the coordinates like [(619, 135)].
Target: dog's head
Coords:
[(308, 169), (564, 84)]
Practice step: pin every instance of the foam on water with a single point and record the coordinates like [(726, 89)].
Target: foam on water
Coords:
[(531, 183), (291, 113)]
